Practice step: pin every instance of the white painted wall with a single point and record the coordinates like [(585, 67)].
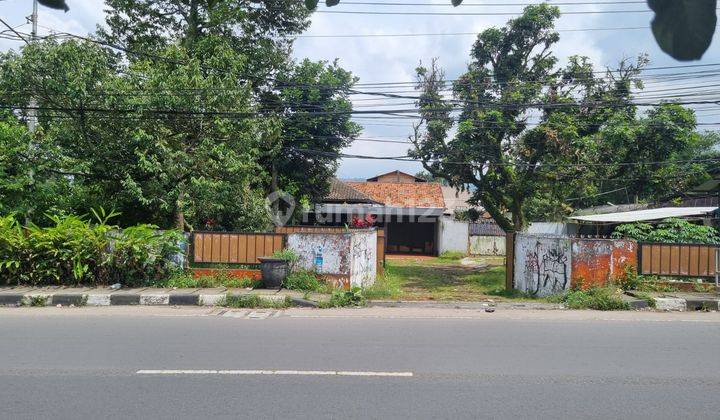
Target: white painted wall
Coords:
[(363, 258), (452, 235), (333, 247), (552, 228), (542, 264), (487, 245), (347, 258)]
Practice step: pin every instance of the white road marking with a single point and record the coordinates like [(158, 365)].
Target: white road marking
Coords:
[(272, 372)]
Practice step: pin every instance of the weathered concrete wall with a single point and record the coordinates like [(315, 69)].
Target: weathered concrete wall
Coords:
[(326, 253), (363, 258), (596, 262), (452, 235), (487, 245), (542, 264), (343, 259)]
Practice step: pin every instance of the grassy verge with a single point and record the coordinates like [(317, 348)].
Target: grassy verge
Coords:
[(254, 301), (185, 280), (599, 298)]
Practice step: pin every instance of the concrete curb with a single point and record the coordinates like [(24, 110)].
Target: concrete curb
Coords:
[(679, 304), (465, 305), (130, 297)]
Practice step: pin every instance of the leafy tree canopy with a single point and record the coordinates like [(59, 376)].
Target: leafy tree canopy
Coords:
[(678, 231), (588, 132)]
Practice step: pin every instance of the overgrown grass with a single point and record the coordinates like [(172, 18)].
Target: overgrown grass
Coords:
[(598, 298), (344, 298), (36, 300), (304, 281), (387, 286), (436, 279), (254, 301), (451, 256), (185, 280), (655, 286)]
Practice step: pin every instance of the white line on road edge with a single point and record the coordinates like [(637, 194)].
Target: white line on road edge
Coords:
[(273, 372)]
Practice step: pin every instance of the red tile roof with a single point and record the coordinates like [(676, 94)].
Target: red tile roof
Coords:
[(420, 194)]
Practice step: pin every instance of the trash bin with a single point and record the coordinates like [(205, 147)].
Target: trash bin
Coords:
[(274, 271)]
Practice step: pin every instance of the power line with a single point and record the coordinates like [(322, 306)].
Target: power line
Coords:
[(374, 12), (365, 84), (482, 164), (441, 34), (506, 4)]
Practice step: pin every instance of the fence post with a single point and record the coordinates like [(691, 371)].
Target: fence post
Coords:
[(509, 260), (717, 269)]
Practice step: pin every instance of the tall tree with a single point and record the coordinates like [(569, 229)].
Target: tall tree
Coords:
[(261, 30), (313, 100), (512, 75), (162, 141)]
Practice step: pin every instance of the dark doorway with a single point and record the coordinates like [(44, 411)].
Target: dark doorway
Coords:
[(411, 237)]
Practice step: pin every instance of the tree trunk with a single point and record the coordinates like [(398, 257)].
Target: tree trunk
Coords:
[(274, 187), (180, 213), (193, 30)]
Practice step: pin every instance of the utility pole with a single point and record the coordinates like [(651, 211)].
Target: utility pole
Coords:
[(32, 112)]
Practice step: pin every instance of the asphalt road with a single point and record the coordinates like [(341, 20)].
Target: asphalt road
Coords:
[(85, 364)]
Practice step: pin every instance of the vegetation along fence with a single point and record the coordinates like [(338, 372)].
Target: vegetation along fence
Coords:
[(338, 229), (234, 247), (678, 260)]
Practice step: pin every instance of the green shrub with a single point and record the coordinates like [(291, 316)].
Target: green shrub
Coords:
[(629, 279), (13, 247), (343, 298), (303, 280), (79, 250), (669, 231), (598, 298), (141, 255), (255, 301), (69, 251)]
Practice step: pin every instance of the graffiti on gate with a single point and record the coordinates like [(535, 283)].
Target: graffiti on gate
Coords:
[(543, 265), (550, 269)]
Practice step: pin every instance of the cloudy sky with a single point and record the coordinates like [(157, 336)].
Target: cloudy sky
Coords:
[(394, 58)]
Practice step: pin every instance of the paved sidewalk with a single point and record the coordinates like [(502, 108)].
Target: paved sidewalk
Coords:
[(148, 296)]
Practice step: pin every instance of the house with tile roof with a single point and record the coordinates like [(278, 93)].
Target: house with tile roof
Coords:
[(407, 207)]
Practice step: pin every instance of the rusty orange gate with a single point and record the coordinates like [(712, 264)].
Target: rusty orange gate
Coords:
[(678, 260), (234, 247)]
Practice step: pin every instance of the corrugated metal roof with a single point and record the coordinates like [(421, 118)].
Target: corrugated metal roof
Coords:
[(644, 215)]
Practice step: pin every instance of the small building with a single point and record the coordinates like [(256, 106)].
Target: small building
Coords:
[(407, 207)]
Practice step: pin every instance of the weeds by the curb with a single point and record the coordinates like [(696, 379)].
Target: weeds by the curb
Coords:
[(255, 301)]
